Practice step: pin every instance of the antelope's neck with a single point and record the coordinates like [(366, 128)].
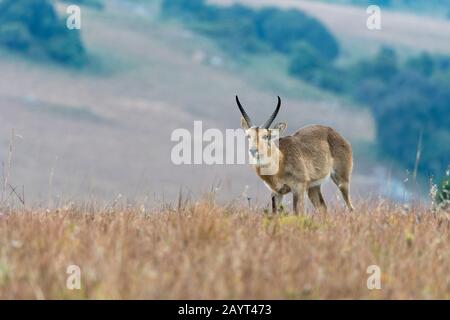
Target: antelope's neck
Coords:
[(273, 181)]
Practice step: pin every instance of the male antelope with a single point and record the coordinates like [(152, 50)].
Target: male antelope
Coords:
[(304, 160)]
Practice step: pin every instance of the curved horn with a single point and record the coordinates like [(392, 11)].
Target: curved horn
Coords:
[(273, 116), (244, 114)]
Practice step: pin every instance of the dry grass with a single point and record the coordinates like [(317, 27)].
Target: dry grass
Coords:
[(208, 251)]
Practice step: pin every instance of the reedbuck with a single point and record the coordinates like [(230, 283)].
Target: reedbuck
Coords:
[(302, 161)]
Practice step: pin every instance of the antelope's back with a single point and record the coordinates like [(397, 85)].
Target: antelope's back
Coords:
[(315, 147), (315, 136)]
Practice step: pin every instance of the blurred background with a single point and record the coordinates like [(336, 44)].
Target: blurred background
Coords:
[(87, 115)]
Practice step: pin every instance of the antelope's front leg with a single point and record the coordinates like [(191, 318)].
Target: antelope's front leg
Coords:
[(276, 202), (299, 199)]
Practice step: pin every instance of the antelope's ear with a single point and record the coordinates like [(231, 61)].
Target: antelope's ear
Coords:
[(244, 124), (281, 127)]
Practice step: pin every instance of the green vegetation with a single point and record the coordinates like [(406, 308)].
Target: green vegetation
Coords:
[(443, 194), (241, 29), (33, 28), (310, 65), (306, 61)]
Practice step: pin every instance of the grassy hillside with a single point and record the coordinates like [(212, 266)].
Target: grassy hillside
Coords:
[(408, 33), (106, 131), (203, 251)]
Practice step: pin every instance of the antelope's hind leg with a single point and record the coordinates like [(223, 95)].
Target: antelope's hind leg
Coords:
[(344, 185), (315, 195)]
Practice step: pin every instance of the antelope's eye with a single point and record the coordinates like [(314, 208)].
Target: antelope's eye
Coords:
[(265, 137)]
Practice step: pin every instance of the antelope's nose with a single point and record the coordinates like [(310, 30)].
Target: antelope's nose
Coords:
[(253, 151)]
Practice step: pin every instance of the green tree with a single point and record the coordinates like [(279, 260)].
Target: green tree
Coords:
[(305, 60), (283, 29), (423, 64), (384, 66), (243, 29), (308, 64), (443, 194), (32, 27)]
